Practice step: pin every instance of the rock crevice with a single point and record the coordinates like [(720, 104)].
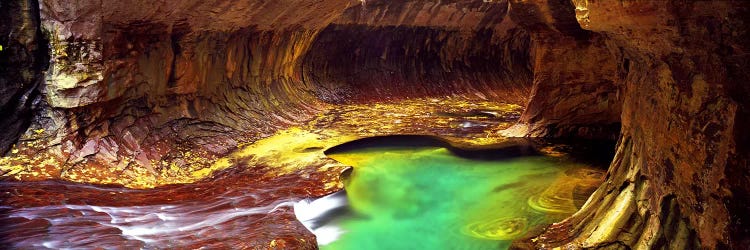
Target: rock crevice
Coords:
[(23, 57)]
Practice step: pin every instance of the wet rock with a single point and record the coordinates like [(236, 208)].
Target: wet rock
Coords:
[(133, 91), (672, 71), (22, 60), (132, 84)]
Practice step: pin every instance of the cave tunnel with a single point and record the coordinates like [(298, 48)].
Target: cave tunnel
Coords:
[(374, 124)]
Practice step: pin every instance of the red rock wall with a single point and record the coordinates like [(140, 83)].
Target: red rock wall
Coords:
[(384, 50), (139, 84), (136, 81), (577, 75), (684, 106), (679, 177)]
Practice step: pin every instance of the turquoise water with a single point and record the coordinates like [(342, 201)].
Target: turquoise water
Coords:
[(428, 198)]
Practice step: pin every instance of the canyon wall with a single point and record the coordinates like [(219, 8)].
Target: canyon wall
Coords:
[(145, 93), (417, 62), (383, 50), (139, 91), (23, 56), (676, 70), (577, 76)]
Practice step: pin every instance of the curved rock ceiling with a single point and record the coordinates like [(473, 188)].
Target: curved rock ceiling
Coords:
[(133, 86)]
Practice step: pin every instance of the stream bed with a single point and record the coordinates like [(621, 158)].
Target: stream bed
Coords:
[(421, 195)]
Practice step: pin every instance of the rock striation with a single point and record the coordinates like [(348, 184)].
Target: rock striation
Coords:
[(137, 92), (672, 74), (23, 57), (132, 93)]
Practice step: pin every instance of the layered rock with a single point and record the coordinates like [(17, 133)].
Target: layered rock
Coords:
[(133, 91), (386, 50), (144, 93), (576, 76), (676, 68), (149, 95), (22, 58)]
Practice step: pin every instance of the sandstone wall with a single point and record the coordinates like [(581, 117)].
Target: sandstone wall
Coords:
[(577, 76), (138, 87), (141, 91), (22, 58), (384, 50), (134, 86), (679, 177)]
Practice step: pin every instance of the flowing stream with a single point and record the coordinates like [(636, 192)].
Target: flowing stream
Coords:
[(417, 197), (236, 209)]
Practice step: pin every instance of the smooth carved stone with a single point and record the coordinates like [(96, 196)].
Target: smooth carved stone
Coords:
[(136, 91)]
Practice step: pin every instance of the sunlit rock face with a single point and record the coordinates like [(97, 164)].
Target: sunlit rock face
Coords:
[(134, 91), (146, 93), (685, 107), (132, 87)]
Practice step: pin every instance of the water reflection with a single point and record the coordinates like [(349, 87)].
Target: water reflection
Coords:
[(423, 197), (429, 198)]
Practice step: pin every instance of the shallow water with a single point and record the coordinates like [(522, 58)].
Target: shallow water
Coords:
[(240, 209), (424, 197), (429, 198)]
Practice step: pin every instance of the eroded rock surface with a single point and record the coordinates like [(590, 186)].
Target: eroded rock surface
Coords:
[(676, 72), (22, 58), (134, 92), (145, 93)]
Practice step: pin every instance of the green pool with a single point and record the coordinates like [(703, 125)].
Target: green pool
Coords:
[(429, 198)]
